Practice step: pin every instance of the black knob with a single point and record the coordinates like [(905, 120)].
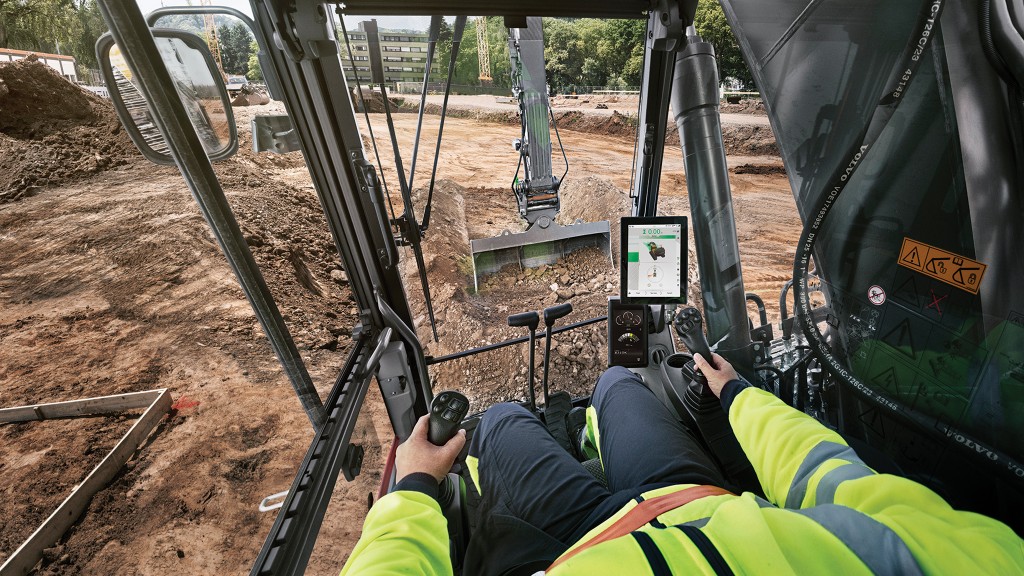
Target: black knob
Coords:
[(555, 312), (446, 414), (690, 328), (528, 319)]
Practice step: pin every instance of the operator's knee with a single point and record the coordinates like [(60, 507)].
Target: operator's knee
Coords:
[(496, 414), (612, 377)]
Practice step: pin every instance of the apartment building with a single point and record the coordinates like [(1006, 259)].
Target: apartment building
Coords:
[(403, 54)]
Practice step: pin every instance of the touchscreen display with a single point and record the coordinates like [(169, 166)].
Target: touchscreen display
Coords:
[(654, 261)]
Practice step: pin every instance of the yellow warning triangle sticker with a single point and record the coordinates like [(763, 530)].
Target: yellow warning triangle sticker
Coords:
[(913, 258)]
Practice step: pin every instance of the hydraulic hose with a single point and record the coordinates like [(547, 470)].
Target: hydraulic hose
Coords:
[(988, 44), (904, 73)]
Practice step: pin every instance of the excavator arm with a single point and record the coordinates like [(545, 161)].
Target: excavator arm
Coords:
[(536, 193)]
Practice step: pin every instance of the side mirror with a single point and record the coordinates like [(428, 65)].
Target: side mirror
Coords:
[(198, 82)]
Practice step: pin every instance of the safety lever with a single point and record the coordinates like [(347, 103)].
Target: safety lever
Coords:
[(551, 315), (530, 320)]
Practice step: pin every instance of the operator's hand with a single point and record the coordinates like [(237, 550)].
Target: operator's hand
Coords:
[(717, 377), (417, 454)]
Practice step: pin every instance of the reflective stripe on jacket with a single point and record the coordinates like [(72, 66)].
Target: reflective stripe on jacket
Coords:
[(826, 513)]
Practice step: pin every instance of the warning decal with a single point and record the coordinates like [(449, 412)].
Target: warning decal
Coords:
[(947, 267)]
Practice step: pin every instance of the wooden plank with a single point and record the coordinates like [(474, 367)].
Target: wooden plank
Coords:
[(28, 554), (74, 408)]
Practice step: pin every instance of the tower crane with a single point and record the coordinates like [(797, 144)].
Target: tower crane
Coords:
[(482, 49)]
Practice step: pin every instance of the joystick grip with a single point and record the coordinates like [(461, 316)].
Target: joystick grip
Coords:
[(446, 413), (528, 319), (690, 328), (555, 312)]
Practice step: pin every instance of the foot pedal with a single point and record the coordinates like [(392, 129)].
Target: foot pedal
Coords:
[(559, 405)]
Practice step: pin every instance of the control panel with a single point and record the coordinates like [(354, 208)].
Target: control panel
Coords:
[(627, 334)]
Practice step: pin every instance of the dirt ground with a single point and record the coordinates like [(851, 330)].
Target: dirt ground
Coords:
[(112, 283)]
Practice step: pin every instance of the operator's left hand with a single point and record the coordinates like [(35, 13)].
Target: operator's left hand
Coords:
[(417, 454)]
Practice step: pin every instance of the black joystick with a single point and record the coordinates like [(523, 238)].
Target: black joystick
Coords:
[(690, 328), (446, 413), (530, 320), (551, 315)]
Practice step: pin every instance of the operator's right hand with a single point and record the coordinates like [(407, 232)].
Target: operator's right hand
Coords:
[(717, 377), (417, 454)]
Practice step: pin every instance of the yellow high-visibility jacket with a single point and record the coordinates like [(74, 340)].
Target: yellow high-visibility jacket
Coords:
[(827, 513)]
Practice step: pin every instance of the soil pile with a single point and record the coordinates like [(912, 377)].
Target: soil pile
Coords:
[(751, 140), (53, 132), (374, 102), (759, 169), (592, 199), (285, 228), (449, 241), (615, 124), (741, 140), (595, 101), (745, 106)]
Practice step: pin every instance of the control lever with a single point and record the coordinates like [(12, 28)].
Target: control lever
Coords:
[(704, 407), (446, 413), (551, 315), (690, 328), (530, 320)]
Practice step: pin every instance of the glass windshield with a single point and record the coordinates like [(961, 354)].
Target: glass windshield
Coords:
[(918, 252)]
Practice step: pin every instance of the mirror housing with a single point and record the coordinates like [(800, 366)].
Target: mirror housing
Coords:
[(198, 82)]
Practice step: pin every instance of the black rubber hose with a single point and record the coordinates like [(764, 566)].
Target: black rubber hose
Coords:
[(904, 75), (762, 312), (988, 44)]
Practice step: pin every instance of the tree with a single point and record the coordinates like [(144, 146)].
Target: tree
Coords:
[(17, 17), (467, 65), (92, 26), (497, 43), (255, 71), (714, 28), (564, 52), (620, 46), (68, 27), (234, 48), (588, 52)]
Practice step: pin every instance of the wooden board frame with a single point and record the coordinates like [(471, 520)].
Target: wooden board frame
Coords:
[(156, 402)]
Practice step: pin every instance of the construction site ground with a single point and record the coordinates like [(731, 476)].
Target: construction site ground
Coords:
[(111, 282)]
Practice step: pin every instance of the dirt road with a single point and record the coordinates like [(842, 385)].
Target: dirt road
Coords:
[(113, 283)]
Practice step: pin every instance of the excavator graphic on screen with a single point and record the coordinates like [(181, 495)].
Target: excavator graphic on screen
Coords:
[(655, 250)]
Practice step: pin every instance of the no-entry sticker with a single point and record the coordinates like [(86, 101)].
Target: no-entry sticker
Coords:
[(942, 265)]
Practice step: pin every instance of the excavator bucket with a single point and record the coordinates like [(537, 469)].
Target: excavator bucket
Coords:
[(537, 246), (251, 97)]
